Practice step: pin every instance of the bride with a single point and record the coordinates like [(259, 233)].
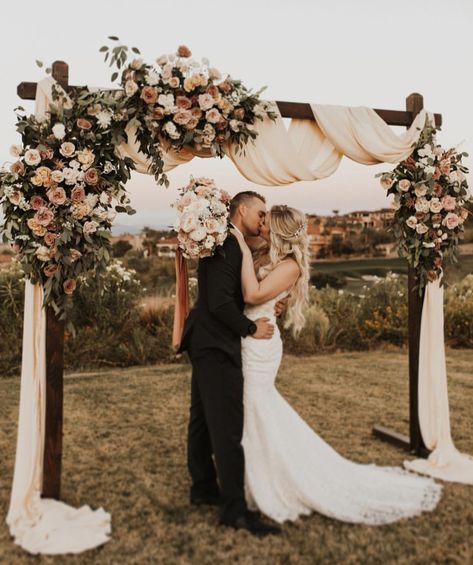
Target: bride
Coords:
[(289, 470)]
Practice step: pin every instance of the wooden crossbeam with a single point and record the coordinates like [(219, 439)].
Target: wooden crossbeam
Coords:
[(300, 110)]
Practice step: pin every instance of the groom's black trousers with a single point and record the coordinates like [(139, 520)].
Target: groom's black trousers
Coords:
[(216, 427)]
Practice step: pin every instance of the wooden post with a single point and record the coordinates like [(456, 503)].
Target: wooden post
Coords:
[(52, 462), (414, 104), (54, 406)]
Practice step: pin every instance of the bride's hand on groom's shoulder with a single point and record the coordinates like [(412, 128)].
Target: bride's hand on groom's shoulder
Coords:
[(239, 237)]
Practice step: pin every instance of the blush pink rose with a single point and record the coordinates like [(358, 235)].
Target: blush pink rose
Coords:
[(182, 117), (449, 203), (149, 95), (78, 194), (74, 254), (57, 196), (91, 177), (51, 270), (44, 216), (37, 202), (50, 238), (82, 123), (184, 51), (183, 103), (451, 220), (69, 286), (18, 168)]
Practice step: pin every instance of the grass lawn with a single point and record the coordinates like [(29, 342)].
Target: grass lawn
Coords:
[(124, 449)]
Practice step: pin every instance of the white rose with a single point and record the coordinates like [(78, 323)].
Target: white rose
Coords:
[(42, 252), (130, 87), (428, 244), (422, 205), (425, 151), (206, 101), (162, 60), (188, 223), (32, 157), (57, 176), (16, 150), (92, 200), (152, 79), (59, 130), (209, 242), (411, 222), (166, 100), (198, 234), (171, 130)]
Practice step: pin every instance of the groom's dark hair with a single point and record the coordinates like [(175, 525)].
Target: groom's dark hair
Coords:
[(243, 197)]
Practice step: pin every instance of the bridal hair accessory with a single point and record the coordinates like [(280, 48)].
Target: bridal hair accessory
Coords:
[(202, 218), (300, 230)]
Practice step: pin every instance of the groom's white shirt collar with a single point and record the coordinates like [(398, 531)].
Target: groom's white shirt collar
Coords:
[(235, 228)]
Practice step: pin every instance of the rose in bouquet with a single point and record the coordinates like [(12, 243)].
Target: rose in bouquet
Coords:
[(202, 218), (431, 196)]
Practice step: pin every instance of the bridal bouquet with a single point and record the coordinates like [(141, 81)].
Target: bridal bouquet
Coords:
[(202, 218), (430, 196)]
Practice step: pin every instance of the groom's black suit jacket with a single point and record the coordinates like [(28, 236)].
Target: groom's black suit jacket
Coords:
[(217, 321)]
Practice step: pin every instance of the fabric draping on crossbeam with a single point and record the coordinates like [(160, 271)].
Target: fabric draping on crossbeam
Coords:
[(445, 461), (41, 525)]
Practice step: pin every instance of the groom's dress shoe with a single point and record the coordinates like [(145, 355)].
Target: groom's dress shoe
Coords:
[(209, 500), (252, 524)]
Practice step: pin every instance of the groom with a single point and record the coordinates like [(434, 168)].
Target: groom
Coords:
[(212, 335)]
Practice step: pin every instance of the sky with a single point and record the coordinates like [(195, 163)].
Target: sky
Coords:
[(348, 52)]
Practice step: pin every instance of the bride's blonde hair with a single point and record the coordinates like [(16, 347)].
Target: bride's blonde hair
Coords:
[(289, 239)]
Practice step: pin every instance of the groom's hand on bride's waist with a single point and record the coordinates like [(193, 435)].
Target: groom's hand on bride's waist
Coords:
[(264, 329)]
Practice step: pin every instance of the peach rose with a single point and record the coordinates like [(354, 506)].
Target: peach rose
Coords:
[(17, 168), (213, 116), (225, 87), (149, 95), (437, 174), (51, 270), (174, 82), (50, 238), (69, 286), (206, 101), (78, 194), (404, 185), (158, 113), (57, 196), (196, 113), (44, 216), (86, 157), (91, 177), (192, 123), (74, 254), (183, 51), (82, 123), (80, 210), (15, 197), (36, 227)]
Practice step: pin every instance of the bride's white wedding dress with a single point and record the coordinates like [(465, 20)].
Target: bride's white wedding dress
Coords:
[(291, 471)]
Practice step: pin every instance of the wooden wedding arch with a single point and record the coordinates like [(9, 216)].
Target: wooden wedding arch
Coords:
[(55, 328)]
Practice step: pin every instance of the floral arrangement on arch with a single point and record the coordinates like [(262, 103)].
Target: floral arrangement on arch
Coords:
[(183, 103), (61, 194), (203, 211), (430, 197)]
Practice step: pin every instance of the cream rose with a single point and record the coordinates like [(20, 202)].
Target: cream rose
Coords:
[(435, 205), (421, 228), (90, 227), (32, 157), (198, 234), (420, 190), (386, 182), (404, 185), (67, 149), (130, 87)]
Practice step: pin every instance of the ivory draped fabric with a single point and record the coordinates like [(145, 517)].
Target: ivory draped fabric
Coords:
[(41, 525), (308, 150), (445, 462)]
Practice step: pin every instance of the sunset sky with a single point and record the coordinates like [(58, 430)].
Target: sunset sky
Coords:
[(353, 53)]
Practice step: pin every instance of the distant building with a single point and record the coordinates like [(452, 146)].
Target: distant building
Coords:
[(167, 246)]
